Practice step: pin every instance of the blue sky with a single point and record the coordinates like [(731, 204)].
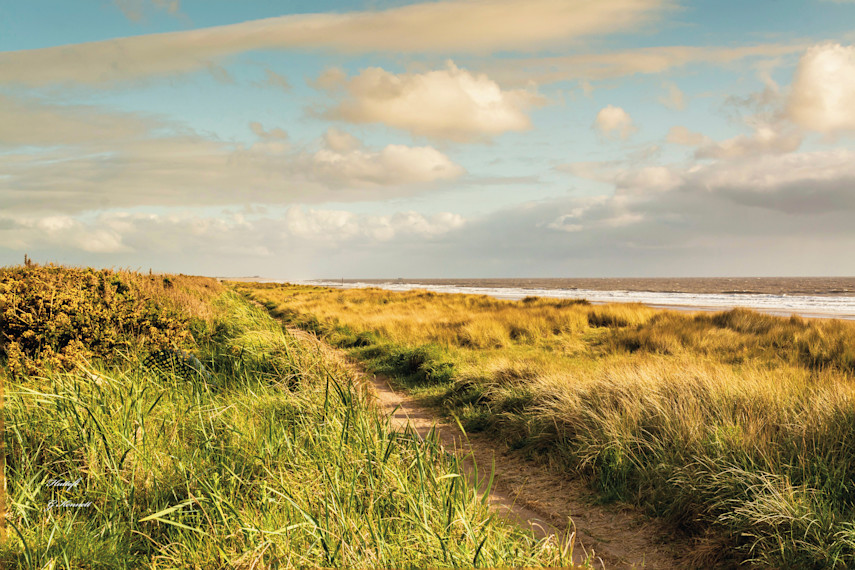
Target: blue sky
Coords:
[(460, 138)]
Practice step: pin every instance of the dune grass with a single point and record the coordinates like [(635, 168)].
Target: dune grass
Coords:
[(277, 460), (735, 425)]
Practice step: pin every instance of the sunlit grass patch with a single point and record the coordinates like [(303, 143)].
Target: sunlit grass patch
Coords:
[(278, 461)]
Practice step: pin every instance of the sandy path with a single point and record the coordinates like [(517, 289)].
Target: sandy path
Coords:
[(530, 495)]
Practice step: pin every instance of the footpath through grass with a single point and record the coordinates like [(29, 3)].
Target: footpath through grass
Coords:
[(738, 426), (268, 458)]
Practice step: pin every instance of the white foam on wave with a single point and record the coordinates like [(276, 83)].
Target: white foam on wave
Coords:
[(784, 305)]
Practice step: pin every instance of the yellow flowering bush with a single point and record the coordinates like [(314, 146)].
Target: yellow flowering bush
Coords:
[(59, 316)]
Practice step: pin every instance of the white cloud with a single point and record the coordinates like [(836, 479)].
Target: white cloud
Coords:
[(273, 134), (582, 214), (614, 121), (797, 183), (63, 232), (340, 141), (823, 91), (331, 78), (683, 136), (592, 170), (675, 99), (451, 103), (766, 139), (53, 224), (395, 164), (647, 180), (100, 241), (444, 27), (776, 138)]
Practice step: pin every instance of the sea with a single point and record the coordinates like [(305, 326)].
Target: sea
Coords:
[(811, 297)]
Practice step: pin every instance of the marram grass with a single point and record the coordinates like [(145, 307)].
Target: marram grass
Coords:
[(737, 426), (279, 462)]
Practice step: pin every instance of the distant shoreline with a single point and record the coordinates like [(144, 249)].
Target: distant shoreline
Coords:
[(821, 286), (831, 304), (813, 286)]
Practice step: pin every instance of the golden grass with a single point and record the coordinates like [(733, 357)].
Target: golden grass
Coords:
[(188, 293), (734, 420)]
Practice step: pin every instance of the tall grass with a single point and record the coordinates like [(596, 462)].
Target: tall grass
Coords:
[(277, 461), (734, 423)]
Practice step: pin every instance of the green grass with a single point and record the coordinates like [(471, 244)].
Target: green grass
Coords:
[(278, 462)]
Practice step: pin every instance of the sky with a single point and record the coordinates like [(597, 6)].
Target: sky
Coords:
[(297, 139)]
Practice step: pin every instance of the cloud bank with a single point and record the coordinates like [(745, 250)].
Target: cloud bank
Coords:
[(68, 159)]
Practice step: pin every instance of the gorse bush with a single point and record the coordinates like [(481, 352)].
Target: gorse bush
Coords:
[(278, 461), (737, 426), (60, 317)]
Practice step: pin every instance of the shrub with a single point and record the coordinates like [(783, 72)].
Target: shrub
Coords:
[(59, 317)]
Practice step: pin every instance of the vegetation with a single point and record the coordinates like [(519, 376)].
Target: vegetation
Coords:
[(271, 458), (736, 425), (56, 317)]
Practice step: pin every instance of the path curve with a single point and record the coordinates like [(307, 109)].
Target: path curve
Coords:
[(529, 495)]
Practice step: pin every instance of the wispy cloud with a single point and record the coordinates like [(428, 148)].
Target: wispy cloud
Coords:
[(429, 27), (674, 98), (32, 122), (644, 61), (273, 79)]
